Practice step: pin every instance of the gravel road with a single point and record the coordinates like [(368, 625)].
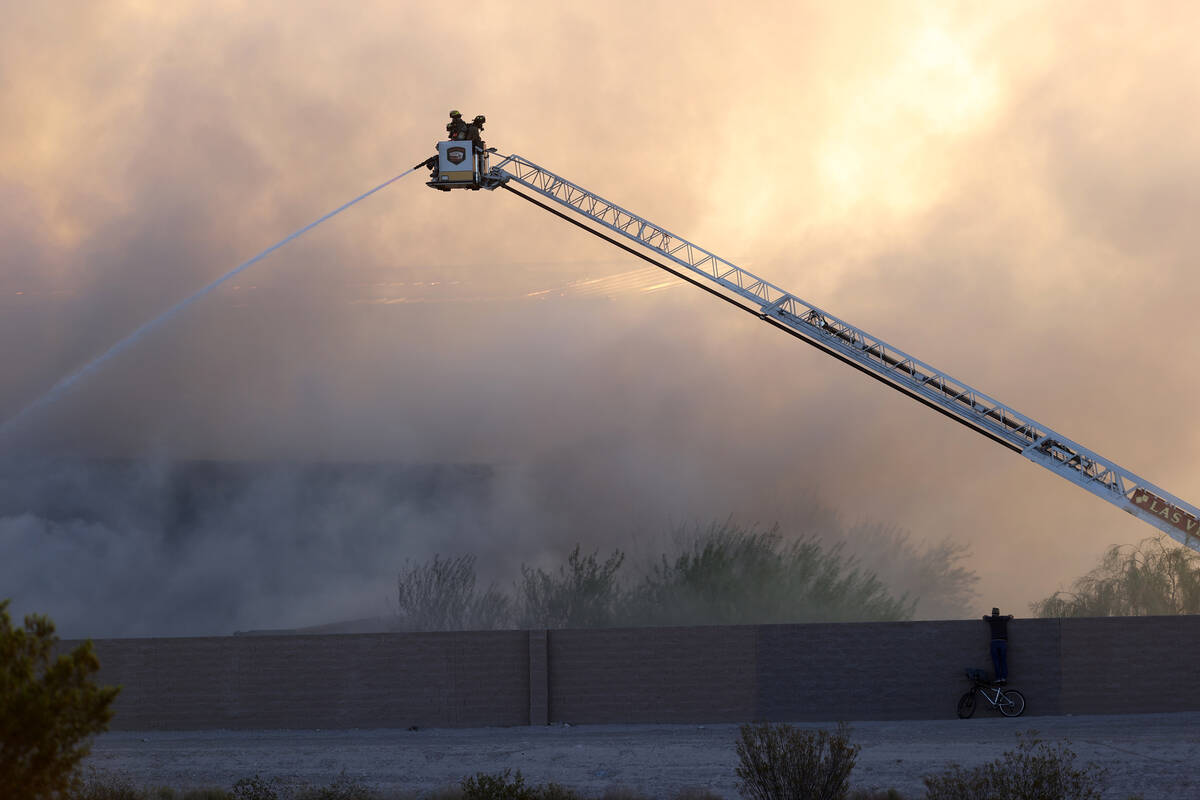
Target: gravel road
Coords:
[(1150, 755)]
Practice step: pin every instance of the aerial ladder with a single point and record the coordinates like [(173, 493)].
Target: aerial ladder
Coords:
[(459, 165)]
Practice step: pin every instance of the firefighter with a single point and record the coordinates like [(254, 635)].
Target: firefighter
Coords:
[(474, 130), (456, 128)]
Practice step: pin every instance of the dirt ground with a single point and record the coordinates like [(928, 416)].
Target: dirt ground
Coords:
[(1149, 755)]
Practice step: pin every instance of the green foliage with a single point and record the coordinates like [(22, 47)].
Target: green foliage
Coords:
[(1036, 770), (730, 575), (49, 709), (441, 596), (1154, 577), (781, 762), (583, 594)]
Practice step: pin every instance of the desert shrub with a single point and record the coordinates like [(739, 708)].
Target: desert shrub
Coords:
[(105, 786), (343, 787), (725, 574), (256, 788), (1154, 577), (446, 793), (108, 787), (781, 762), (167, 793), (696, 793), (932, 571), (1035, 770), (500, 786), (731, 575), (584, 593), (49, 709), (440, 595)]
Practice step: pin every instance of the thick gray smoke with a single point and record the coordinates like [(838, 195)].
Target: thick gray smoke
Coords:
[(131, 548), (125, 548), (1007, 194), (67, 383)]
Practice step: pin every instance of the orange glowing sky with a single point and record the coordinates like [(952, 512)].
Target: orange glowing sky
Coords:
[(1008, 192)]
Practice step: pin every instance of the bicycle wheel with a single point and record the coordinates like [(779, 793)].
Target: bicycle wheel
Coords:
[(1011, 703), (966, 705)]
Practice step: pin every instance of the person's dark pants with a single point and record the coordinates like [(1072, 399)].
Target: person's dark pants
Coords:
[(1000, 658)]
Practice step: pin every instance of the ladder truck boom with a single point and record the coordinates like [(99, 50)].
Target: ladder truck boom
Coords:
[(836, 337)]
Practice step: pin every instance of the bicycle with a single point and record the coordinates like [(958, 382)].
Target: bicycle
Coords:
[(1008, 702)]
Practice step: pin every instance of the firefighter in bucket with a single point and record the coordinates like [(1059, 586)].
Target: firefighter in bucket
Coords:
[(462, 161)]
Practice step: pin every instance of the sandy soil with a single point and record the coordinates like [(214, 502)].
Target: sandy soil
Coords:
[(1151, 755)]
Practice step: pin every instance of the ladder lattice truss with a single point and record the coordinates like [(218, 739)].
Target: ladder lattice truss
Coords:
[(849, 343)]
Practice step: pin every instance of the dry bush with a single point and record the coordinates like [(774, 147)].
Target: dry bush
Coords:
[(1036, 770), (500, 786), (781, 762), (256, 788), (106, 786), (623, 793), (584, 593), (343, 787), (696, 793), (447, 793), (934, 572), (440, 595), (725, 574)]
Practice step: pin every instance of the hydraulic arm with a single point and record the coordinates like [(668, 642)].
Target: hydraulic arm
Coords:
[(848, 343)]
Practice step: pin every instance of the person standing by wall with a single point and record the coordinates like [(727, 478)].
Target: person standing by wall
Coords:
[(999, 631)]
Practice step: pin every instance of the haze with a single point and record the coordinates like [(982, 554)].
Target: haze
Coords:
[(1007, 193)]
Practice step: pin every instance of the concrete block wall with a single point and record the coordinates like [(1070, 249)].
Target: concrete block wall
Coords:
[(356, 681), (907, 670), (652, 674), (1119, 665), (821, 672)]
